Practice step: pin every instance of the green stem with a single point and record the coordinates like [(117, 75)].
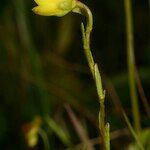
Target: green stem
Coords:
[(84, 10), (104, 129), (131, 65)]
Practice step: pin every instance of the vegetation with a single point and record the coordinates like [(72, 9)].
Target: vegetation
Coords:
[(48, 96)]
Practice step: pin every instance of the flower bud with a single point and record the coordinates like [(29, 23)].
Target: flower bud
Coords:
[(53, 7)]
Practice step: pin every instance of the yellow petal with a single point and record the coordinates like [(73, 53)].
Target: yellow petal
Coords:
[(46, 11), (42, 2), (53, 7)]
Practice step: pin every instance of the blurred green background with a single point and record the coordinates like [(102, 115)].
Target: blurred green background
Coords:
[(43, 67)]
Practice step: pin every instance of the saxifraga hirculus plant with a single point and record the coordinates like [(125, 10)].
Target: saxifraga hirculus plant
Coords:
[(60, 8)]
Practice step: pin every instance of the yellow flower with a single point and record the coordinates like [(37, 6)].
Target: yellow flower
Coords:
[(53, 7)]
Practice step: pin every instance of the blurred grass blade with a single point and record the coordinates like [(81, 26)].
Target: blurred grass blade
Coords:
[(34, 59), (131, 65), (44, 136), (79, 129), (64, 138), (136, 137)]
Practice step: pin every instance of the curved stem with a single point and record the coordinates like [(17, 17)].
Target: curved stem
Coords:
[(84, 10), (104, 128)]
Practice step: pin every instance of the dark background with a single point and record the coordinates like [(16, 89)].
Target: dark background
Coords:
[(42, 67)]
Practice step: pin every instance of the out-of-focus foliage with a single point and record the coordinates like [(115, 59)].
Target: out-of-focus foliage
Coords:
[(43, 67)]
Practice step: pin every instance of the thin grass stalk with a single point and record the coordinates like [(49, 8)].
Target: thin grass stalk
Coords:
[(131, 65)]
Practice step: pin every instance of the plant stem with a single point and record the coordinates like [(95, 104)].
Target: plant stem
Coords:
[(84, 10), (104, 128), (131, 65)]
